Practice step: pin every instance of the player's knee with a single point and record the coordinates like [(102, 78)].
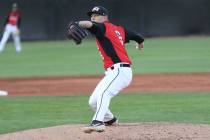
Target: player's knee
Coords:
[(92, 103)]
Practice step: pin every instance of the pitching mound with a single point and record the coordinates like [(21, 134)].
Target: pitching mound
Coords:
[(143, 131)]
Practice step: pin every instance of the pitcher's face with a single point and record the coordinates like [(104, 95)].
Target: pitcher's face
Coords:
[(98, 18)]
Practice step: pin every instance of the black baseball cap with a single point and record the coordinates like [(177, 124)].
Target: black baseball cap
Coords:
[(98, 10)]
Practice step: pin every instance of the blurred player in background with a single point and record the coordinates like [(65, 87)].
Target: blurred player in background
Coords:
[(12, 26)]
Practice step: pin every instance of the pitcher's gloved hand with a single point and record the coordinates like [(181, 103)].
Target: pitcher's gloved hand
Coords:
[(75, 32)]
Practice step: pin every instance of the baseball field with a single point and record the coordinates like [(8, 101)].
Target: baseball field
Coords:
[(49, 84)]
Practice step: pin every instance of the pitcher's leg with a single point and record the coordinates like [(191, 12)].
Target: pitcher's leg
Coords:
[(111, 85), (108, 116), (116, 81), (105, 95), (97, 91), (95, 124), (93, 102), (103, 102)]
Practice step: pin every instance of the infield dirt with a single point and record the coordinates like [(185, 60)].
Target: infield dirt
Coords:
[(57, 86)]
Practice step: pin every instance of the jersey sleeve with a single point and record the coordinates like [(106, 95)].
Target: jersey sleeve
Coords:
[(97, 29), (131, 35)]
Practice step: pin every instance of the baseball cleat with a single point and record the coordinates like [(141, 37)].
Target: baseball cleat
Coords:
[(112, 122), (96, 126)]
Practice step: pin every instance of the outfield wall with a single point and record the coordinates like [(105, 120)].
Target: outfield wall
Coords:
[(47, 19)]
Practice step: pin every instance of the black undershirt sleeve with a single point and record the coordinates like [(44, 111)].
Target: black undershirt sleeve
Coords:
[(131, 35), (98, 29)]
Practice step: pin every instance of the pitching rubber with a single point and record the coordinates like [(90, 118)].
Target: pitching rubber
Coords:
[(3, 93)]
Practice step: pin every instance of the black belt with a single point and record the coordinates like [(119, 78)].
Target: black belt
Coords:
[(121, 65)]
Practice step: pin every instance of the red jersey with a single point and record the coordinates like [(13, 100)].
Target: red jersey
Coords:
[(13, 18), (111, 45)]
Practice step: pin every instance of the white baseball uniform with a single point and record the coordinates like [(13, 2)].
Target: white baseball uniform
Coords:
[(116, 78), (110, 40), (11, 28)]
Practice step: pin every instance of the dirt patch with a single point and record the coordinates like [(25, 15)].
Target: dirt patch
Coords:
[(55, 86), (143, 131)]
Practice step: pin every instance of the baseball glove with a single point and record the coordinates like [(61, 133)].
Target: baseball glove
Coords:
[(76, 33)]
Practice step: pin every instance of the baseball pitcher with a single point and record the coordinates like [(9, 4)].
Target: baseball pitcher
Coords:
[(110, 40), (12, 25)]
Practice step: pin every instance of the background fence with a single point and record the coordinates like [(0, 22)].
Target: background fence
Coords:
[(47, 19)]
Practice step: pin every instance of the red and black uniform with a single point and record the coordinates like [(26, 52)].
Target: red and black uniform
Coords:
[(111, 39), (13, 18)]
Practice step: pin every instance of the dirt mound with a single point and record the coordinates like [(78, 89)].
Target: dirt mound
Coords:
[(50, 86), (143, 131)]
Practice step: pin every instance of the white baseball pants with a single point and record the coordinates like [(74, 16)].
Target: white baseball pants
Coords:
[(11, 29), (114, 81)]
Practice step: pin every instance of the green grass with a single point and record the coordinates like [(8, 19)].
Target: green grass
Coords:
[(20, 113), (61, 58)]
